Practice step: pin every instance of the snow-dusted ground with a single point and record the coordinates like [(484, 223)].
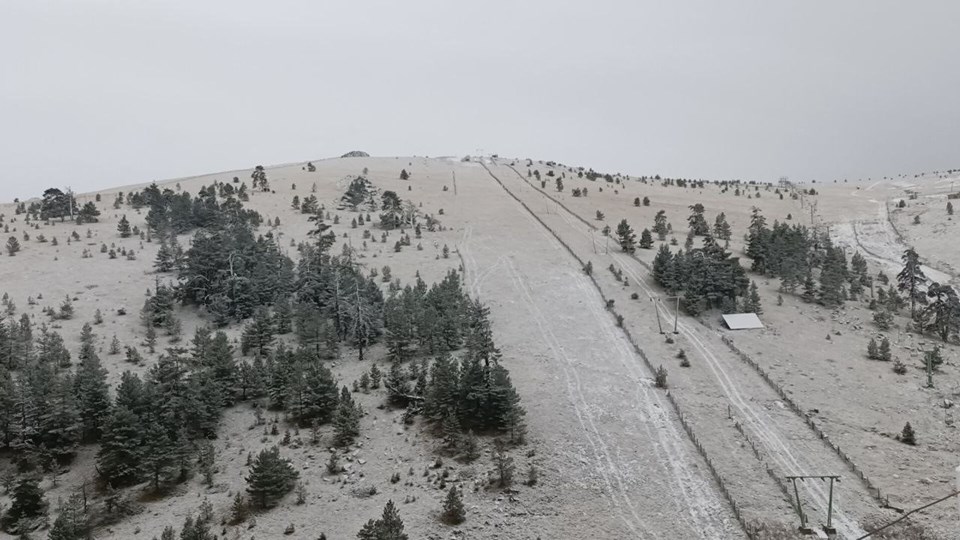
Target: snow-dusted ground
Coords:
[(614, 460)]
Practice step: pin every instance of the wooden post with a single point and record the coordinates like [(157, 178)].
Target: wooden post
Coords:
[(803, 518), (657, 311)]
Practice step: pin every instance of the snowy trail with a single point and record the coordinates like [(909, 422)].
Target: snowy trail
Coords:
[(777, 444), (877, 239), (667, 453)]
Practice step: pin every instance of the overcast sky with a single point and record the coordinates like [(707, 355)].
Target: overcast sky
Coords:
[(96, 94)]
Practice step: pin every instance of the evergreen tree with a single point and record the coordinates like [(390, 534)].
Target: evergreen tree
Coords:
[(911, 279), (942, 315), (884, 352), (396, 384), (441, 395), (346, 420), (872, 352), (92, 393), (907, 436), (698, 224), (626, 236), (13, 246), (809, 289), (118, 460), (388, 527), (72, 522), (271, 477), (164, 262), (661, 265), (453, 511), (88, 213), (311, 392), (646, 239), (159, 451), (28, 501), (660, 224), (721, 229), (833, 275), (124, 227), (757, 234), (751, 303), (949, 208), (258, 335)]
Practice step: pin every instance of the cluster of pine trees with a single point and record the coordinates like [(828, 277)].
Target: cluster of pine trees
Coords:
[(706, 277), (173, 213), (48, 409), (805, 260)]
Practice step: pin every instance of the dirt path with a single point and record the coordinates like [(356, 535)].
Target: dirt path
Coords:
[(880, 242), (612, 433), (785, 439)]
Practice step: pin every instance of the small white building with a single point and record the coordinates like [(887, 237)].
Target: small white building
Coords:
[(742, 321)]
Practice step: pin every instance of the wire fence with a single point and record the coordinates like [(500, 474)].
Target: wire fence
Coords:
[(872, 488), (751, 529)]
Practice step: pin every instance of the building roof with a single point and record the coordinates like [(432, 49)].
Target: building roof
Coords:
[(742, 321)]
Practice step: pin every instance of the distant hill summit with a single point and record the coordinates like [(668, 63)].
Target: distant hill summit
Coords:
[(355, 153)]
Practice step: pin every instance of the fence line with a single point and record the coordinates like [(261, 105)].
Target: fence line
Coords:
[(871, 487), (751, 529)]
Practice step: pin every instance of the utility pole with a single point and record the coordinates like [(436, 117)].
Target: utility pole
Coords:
[(676, 313), (656, 310), (804, 527), (70, 194)]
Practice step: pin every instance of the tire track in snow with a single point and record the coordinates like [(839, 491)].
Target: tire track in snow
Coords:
[(759, 420), (693, 494)]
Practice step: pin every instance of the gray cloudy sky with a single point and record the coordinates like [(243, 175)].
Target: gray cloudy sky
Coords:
[(96, 94)]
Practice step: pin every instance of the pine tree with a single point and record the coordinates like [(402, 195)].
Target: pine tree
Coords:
[(13, 246), (28, 501), (453, 511), (884, 352), (949, 208), (872, 351), (911, 279), (660, 224), (346, 420), (626, 236), (661, 265), (907, 436), (158, 452), (150, 339), (721, 229), (164, 262), (698, 224), (92, 392), (271, 477), (396, 384), (118, 460), (942, 315), (258, 335), (72, 522), (504, 464), (375, 376), (388, 527), (752, 302), (88, 213), (809, 289), (441, 395), (238, 509), (124, 227), (646, 239)]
